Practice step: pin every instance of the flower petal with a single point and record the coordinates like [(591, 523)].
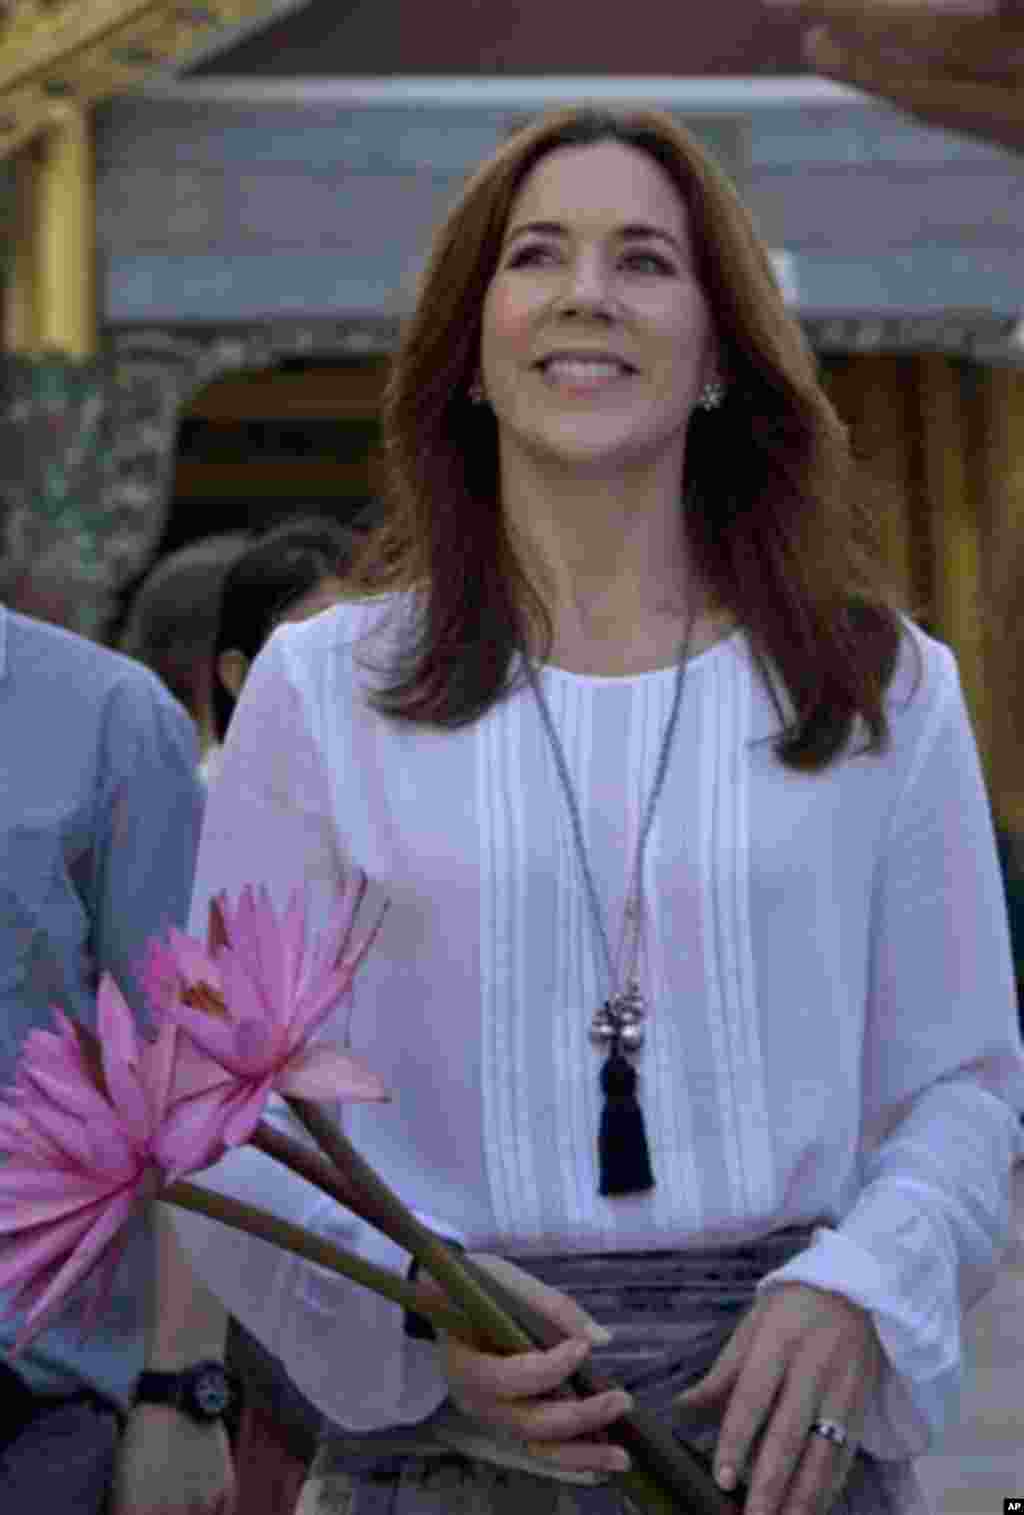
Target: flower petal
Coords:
[(195, 963), (65, 1089), (69, 1134), (119, 1045), (18, 1137), (39, 1206), (85, 1257), (314, 1006), (245, 995), (194, 1072), (268, 955), (158, 1069), (323, 990), (333, 941), (351, 964), (192, 1135), (21, 1298), (247, 1114), (325, 1072), (255, 1045), (22, 1256), (211, 1034), (252, 928), (158, 976), (115, 1024)]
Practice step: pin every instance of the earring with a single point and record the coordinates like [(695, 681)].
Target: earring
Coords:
[(476, 393), (712, 395)]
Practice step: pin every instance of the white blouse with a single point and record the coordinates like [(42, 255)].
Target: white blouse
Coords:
[(833, 1029)]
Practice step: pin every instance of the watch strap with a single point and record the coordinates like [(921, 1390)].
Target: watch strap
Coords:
[(178, 1389)]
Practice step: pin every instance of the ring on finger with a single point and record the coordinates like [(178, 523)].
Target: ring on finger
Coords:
[(843, 1445), (832, 1430)]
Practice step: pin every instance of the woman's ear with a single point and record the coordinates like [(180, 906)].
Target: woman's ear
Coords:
[(232, 667)]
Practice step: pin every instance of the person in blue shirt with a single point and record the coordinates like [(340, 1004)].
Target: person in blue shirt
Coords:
[(100, 809)]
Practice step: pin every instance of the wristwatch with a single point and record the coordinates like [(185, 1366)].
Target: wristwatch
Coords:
[(204, 1392)]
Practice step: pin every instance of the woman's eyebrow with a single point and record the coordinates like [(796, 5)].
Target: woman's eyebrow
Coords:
[(633, 231)]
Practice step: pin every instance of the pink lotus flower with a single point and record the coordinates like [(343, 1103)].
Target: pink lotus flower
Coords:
[(93, 1131), (253, 997)]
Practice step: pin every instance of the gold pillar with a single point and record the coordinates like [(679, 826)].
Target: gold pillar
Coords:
[(67, 236), (22, 296), (957, 546)]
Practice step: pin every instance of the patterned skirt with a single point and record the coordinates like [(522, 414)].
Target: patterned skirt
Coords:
[(671, 1314)]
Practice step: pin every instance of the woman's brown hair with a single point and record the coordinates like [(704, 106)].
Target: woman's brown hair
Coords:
[(780, 533)]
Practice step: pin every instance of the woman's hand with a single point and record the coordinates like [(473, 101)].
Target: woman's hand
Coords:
[(168, 1465), (957, 64), (516, 1393), (799, 1355)]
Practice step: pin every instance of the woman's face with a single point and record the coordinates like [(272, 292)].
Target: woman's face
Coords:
[(586, 278)]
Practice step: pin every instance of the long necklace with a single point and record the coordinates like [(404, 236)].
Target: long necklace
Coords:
[(623, 1153)]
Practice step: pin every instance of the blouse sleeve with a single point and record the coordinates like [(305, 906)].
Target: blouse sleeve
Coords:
[(269, 820), (943, 1087)]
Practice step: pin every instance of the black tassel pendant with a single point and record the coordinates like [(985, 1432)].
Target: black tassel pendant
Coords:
[(622, 1141)]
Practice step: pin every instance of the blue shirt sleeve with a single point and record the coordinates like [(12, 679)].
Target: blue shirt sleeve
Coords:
[(149, 810)]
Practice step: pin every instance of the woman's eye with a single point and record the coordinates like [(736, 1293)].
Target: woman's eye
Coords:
[(659, 263), (527, 255)]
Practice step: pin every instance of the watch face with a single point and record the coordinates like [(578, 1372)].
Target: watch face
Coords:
[(211, 1392)]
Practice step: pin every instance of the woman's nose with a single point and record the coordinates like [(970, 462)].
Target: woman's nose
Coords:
[(587, 287)]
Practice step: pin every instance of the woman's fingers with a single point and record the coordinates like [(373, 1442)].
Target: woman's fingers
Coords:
[(555, 1422), (526, 1394), (523, 1375), (582, 1456), (517, 1395)]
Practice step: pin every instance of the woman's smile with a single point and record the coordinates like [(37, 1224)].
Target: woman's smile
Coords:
[(574, 377)]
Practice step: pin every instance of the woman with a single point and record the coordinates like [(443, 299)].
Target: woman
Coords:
[(291, 572), (613, 473)]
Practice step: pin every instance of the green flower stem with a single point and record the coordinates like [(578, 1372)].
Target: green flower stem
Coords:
[(316, 1249), (665, 1476), (649, 1496), (384, 1210)]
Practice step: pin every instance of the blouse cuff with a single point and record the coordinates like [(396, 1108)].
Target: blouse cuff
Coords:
[(919, 1388)]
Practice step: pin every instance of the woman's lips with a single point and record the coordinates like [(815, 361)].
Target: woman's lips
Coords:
[(557, 377)]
